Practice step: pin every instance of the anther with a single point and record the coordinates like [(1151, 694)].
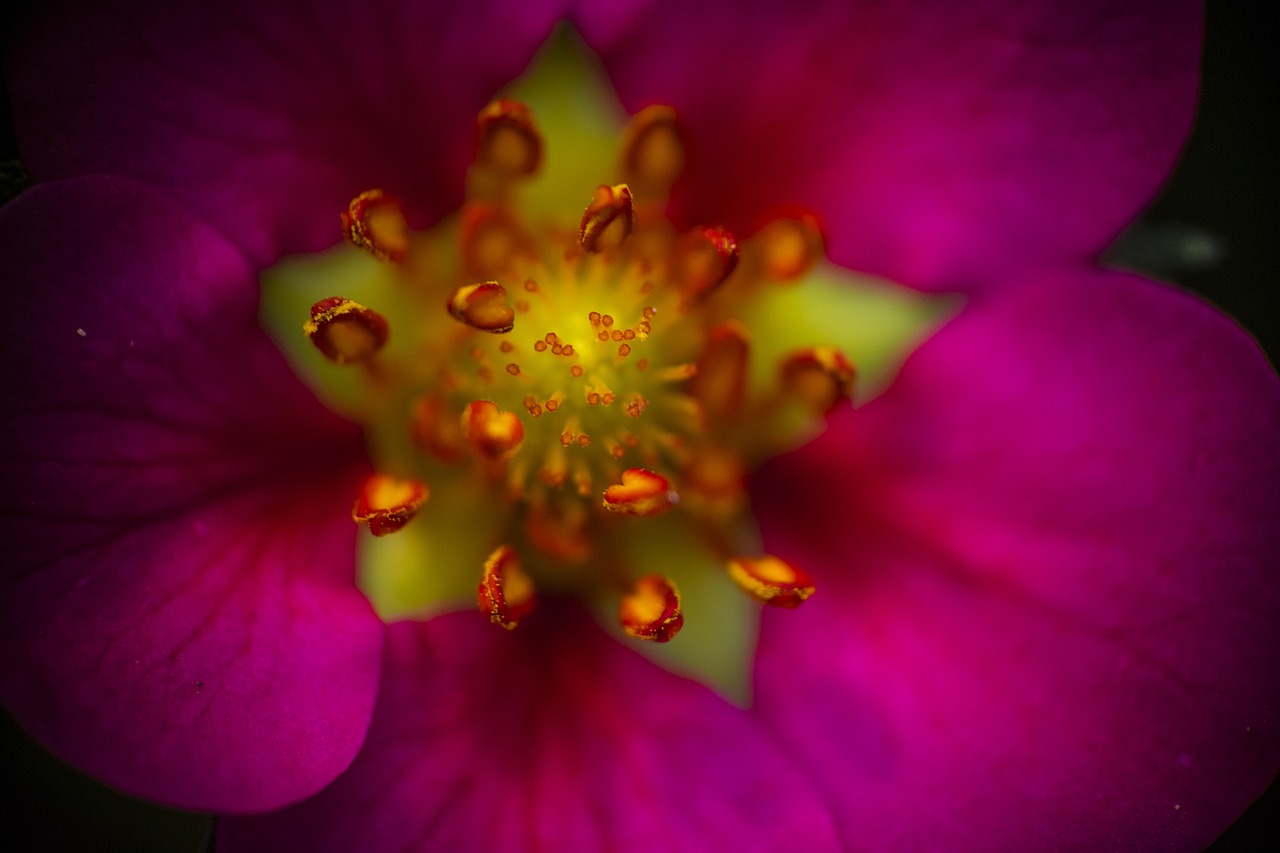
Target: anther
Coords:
[(790, 246), (386, 503), (493, 432), (822, 376), (559, 532), (506, 593), (721, 378), (652, 151), (608, 219), (641, 492), (374, 221), (490, 239), (507, 139), (483, 306), (772, 580), (707, 256), (435, 429), (651, 610), (346, 331)]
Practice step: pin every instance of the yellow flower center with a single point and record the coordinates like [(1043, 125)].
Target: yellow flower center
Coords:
[(563, 391)]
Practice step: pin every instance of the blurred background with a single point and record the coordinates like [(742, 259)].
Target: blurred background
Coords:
[(1215, 229)]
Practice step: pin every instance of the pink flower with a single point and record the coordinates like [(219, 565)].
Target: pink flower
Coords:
[(1048, 609)]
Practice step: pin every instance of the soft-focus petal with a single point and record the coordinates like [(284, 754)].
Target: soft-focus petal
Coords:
[(1047, 563), (267, 118), (178, 611), (552, 737), (942, 142)]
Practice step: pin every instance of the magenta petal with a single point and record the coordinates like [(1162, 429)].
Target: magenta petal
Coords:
[(553, 737), (178, 614), (267, 118), (944, 143), (1048, 610)]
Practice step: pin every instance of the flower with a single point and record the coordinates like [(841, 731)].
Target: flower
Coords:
[(1046, 561)]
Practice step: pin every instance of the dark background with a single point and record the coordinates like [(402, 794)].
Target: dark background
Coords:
[(1215, 229)]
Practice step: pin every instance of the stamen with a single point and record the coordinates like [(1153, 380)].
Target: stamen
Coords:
[(436, 430), (493, 432), (483, 306), (708, 256), (608, 219), (374, 221), (387, 503), (490, 240), (346, 331), (651, 610), (790, 246), (641, 492), (560, 533), (772, 580), (506, 593), (721, 378), (822, 376), (507, 139), (653, 151)]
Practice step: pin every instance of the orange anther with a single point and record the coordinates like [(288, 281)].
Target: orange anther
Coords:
[(374, 221), (506, 593), (651, 610), (652, 150), (641, 492), (706, 257), (823, 376), (493, 432), (483, 306), (435, 429), (346, 331), (490, 240), (791, 245), (386, 503), (771, 580), (720, 377), (608, 219), (507, 138)]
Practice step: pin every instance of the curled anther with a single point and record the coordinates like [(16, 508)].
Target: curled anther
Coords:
[(493, 432), (507, 139), (505, 593), (772, 580), (346, 331), (822, 376), (608, 219), (653, 151), (374, 221), (706, 257), (651, 610), (386, 503), (483, 306), (641, 492)]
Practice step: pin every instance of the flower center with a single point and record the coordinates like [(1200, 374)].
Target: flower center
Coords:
[(567, 399)]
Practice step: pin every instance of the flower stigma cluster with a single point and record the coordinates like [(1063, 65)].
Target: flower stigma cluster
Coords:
[(562, 391)]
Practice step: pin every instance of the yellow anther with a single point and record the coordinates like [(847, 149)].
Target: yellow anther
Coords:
[(346, 331), (385, 503), (374, 221), (651, 610)]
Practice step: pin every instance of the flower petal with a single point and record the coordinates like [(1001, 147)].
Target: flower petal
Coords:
[(178, 613), (1048, 568), (549, 738), (267, 118), (942, 142)]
